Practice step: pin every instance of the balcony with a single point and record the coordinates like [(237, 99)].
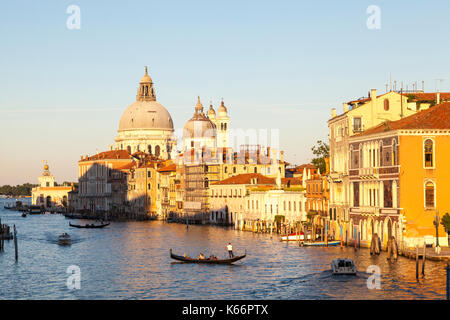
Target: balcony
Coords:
[(369, 173)]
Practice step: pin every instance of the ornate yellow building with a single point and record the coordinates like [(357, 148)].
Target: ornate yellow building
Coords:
[(399, 178)]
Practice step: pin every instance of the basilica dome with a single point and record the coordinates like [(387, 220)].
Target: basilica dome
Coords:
[(146, 114), (199, 125)]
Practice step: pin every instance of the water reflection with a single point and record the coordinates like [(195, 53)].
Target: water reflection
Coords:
[(131, 261)]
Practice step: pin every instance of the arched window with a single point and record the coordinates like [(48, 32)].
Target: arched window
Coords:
[(429, 195), (157, 151), (428, 153), (150, 149), (129, 149), (255, 170), (394, 152), (386, 104), (206, 183), (225, 170), (234, 169)]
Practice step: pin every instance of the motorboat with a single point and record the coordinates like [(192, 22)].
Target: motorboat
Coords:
[(321, 243), (294, 237), (343, 266), (64, 239)]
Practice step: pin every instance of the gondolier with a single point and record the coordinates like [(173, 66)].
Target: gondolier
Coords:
[(230, 250)]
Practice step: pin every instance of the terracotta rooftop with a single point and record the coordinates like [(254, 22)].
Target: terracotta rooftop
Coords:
[(246, 178), (169, 168), (110, 155), (436, 117), (292, 181), (126, 166), (426, 96)]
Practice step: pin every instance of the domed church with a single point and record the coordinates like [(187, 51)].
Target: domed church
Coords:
[(206, 130), (146, 125)]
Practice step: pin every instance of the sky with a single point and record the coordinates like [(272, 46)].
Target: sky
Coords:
[(278, 65)]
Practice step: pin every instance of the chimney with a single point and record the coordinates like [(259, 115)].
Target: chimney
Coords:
[(333, 112), (327, 165), (282, 156), (373, 94), (345, 107), (274, 156), (438, 97)]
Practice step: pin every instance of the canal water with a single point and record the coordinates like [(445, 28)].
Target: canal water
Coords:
[(130, 260)]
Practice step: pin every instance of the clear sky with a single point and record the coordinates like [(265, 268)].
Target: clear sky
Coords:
[(277, 64)]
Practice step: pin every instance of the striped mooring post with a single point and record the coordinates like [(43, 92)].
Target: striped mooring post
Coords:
[(448, 281)]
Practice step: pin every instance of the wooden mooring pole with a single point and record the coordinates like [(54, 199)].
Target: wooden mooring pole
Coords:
[(15, 244), (417, 261), (448, 281), (424, 258)]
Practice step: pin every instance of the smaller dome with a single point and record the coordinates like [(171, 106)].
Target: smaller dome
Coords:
[(199, 127)]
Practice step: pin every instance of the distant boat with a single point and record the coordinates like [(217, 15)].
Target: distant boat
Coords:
[(294, 237), (210, 261), (64, 239), (321, 243), (24, 215), (92, 226), (343, 266), (35, 210)]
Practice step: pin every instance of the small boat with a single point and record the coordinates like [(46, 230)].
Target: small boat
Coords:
[(64, 239), (294, 237), (321, 243), (343, 266), (91, 226), (24, 215), (210, 261), (34, 210)]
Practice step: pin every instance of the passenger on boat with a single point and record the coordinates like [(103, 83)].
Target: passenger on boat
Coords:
[(201, 256)]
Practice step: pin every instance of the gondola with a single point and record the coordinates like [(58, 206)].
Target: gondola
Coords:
[(89, 226), (211, 261)]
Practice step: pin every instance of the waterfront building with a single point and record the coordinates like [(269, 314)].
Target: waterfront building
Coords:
[(167, 188), (143, 197), (249, 200), (399, 176), (48, 195), (101, 181), (358, 116), (146, 125), (317, 198)]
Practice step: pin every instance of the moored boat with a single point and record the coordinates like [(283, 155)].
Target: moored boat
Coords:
[(87, 226), (294, 237), (64, 239), (210, 261), (343, 266), (321, 243)]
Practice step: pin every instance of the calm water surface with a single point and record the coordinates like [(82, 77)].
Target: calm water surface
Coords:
[(130, 260)]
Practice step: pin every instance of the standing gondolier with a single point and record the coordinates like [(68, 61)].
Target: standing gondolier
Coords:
[(230, 250)]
